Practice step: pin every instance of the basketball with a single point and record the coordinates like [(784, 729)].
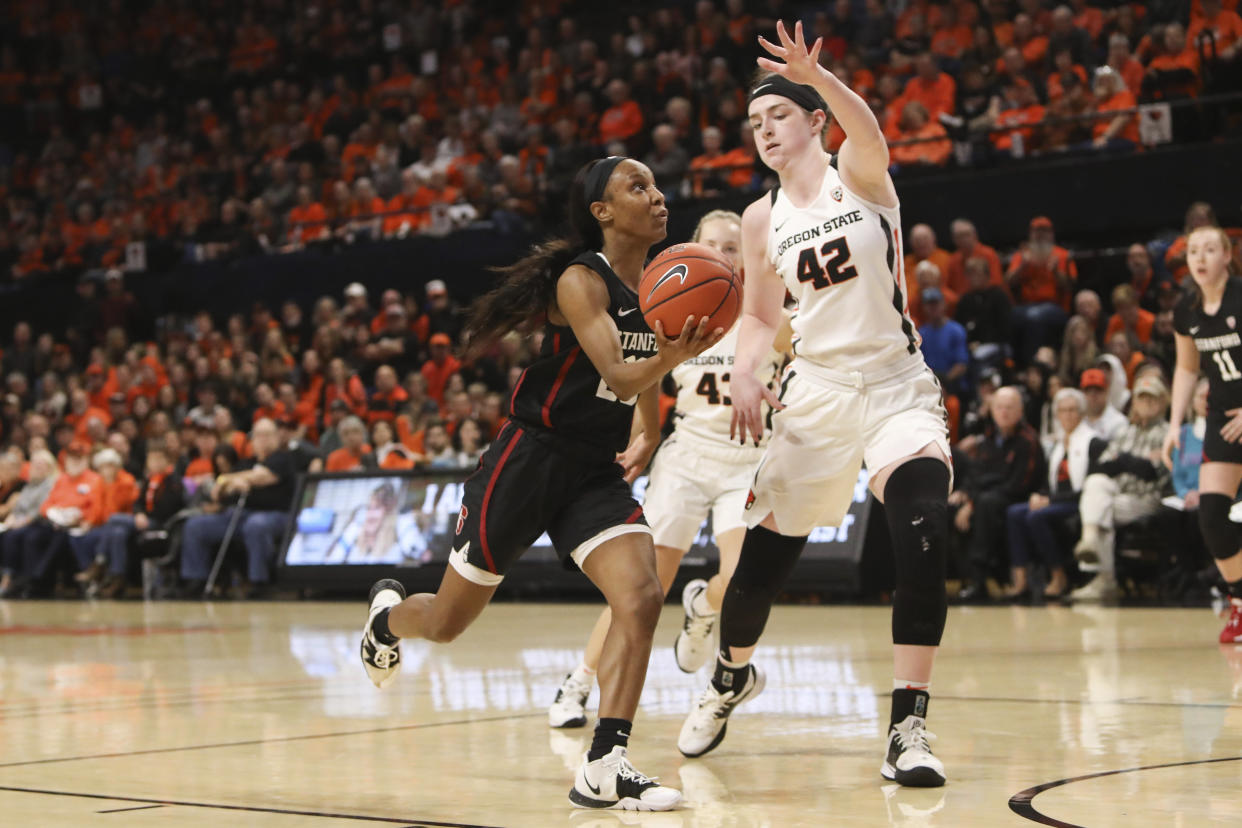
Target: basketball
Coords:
[(690, 280)]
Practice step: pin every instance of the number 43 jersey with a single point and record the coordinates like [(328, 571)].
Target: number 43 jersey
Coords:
[(840, 257), (703, 406), (1218, 337)]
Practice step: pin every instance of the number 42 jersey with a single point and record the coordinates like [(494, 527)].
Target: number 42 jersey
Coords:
[(840, 257), (1218, 337)]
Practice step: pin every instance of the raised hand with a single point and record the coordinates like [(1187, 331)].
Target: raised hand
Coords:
[(801, 65)]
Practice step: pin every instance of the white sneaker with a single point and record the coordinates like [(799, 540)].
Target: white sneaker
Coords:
[(694, 642), (612, 782), (568, 709), (910, 761), (381, 661), (705, 727), (1102, 589)]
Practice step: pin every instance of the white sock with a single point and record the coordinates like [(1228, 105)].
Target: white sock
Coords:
[(701, 606), (911, 684), (584, 674)]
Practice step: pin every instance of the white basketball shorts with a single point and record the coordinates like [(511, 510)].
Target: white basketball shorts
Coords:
[(692, 476), (832, 423)]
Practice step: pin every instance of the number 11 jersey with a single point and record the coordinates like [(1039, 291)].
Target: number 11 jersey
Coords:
[(840, 257), (1218, 337)]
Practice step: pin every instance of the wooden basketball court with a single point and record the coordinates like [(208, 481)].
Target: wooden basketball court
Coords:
[(127, 714)]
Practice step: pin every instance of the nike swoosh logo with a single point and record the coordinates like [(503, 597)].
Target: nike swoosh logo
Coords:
[(463, 551), (590, 787), (678, 271), (626, 312), (778, 227), (1194, 330)]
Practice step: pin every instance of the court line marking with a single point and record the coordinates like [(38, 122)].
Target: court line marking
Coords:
[(134, 808), (251, 742), (1021, 803), (247, 808)]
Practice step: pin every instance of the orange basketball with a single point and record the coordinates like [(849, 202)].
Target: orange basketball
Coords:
[(690, 280)]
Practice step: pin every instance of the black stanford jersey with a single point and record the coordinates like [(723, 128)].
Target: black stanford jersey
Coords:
[(562, 395), (1219, 340)]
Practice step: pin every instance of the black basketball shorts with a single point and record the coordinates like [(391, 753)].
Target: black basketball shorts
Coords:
[(525, 486), (1215, 449)]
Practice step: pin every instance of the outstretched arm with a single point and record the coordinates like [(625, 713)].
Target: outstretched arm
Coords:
[(864, 155)]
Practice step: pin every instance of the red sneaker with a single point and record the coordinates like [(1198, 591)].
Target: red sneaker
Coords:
[(1232, 633)]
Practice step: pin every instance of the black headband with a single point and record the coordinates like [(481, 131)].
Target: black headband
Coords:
[(801, 94), (597, 178)]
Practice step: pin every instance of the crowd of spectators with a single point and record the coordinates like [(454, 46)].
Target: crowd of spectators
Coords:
[(140, 132), (106, 441)]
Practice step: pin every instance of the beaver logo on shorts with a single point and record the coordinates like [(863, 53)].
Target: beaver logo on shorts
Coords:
[(461, 518), (750, 498)]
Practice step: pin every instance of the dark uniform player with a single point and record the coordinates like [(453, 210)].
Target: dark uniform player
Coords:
[(1208, 322), (555, 465)]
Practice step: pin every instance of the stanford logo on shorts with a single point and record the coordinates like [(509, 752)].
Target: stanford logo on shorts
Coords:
[(750, 498), (836, 194), (461, 518)]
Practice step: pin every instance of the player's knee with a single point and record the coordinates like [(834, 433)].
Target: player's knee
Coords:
[(915, 504), (640, 605), (1220, 534), (916, 508)]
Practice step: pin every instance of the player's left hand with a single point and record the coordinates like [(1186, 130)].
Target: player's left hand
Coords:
[(1232, 430), (636, 456), (801, 65)]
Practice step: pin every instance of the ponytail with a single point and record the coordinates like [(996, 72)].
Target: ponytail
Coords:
[(528, 286)]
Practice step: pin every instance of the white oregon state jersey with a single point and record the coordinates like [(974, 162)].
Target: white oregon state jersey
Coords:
[(841, 260), (703, 406)]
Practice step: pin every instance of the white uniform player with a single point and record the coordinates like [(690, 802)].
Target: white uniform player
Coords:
[(856, 392), (698, 468), (858, 389)]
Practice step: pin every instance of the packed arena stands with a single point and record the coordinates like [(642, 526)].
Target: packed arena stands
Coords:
[(142, 137)]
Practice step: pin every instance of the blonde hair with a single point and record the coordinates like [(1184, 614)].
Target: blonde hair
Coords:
[(1075, 360), (48, 459), (715, 215)]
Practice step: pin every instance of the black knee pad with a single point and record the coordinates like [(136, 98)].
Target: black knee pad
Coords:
[(915, 503), (1220, 534), (763, 566)]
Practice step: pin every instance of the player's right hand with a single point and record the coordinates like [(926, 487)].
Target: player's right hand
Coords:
[(1172, 440), (748, 394)]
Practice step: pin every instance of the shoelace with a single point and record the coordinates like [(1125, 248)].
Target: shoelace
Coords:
[(714, 701), (915, 737), (699, 626), (627, 771), (384, 656), (572, 688)]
